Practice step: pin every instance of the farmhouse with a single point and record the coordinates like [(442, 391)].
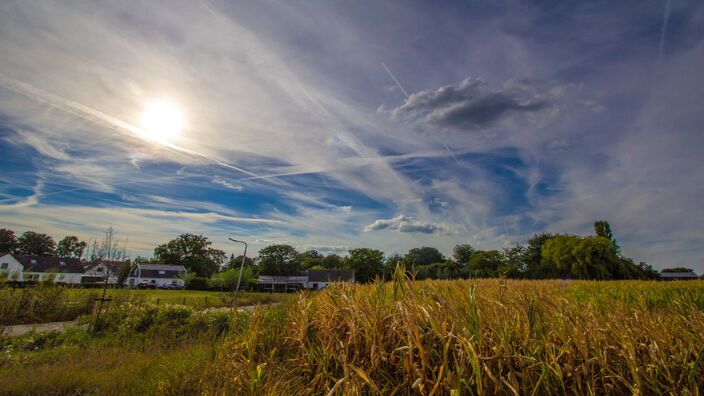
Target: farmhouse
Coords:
[(157, 275), (310, 279), (678, 275), (97, 270), (66, 270)]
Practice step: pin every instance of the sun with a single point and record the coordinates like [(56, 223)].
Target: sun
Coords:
[(161, 121)]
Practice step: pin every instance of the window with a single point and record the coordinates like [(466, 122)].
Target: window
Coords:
[(34, 261), (99, 269), (4, 265), (62, 263), (162, 272)]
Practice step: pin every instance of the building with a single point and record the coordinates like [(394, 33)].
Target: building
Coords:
[(96, 271), (678, 275), (319, 279), (157, 275), (66, 270), (311, 279)]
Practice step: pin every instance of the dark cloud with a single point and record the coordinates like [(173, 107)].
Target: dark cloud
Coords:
[(404, 223), (471, 105)]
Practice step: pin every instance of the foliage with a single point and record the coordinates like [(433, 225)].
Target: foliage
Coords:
[(463, 253), (602, 228), (70, 246), (366, 263), (278, 260), (471, 337), (310, 258), (35, 244), (108, 248), (227, 280), (423, 256), (533, 257), (333, 261), (8, 241), (484, 264), (193, 252)]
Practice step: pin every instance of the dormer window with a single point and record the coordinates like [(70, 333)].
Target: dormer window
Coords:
[(162, 272), (34, 261), (99, 269), (4, 265), (62, 263)]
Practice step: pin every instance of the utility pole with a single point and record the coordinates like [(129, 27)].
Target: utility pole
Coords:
[(239, 278)]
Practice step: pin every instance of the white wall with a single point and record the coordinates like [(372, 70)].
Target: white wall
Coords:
[(133, 281), (14, 268)]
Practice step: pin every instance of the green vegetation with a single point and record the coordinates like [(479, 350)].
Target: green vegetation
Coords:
[(486, 336), (51, 303)]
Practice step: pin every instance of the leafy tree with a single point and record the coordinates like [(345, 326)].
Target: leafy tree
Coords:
[(236, 262), (603, 229), (485, 263), (70, 246), (463, 253), (333, 261), (278, 260), (8, 241), (310, 258), (424, 256), (448, 270), (193, 252), (533, 257), (227, 280), (584, 257), (513, 262), (647, 271), (35, 244), (366, 263)]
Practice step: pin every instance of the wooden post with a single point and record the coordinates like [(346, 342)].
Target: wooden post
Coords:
[(157, 302)]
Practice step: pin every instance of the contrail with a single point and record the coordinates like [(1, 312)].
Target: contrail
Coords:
[(398, 84), (95, 116), (663, 31)]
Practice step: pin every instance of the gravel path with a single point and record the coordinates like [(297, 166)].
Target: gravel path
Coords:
[(19, 330)]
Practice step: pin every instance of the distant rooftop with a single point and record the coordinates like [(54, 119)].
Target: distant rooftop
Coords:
[(678, 275)]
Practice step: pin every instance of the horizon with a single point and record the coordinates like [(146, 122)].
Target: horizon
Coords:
[(336, 126)]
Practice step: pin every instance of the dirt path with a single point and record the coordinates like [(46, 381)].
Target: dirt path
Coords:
[(19, 330)]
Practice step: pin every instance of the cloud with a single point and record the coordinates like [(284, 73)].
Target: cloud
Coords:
[(471, 105), (220, 181), (407, 224)]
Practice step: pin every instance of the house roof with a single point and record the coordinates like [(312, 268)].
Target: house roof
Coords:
[(162, 267), (678, 275), (47, 263), (332, 275), (114, 266)]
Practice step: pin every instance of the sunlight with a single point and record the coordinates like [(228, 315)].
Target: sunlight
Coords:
[(161, 121)]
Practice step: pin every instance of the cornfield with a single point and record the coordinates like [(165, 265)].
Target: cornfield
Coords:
[(471, 337)]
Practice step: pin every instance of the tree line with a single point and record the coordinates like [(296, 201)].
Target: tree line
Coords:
[(545, 255)]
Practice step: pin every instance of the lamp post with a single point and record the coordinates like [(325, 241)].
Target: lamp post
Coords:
[(239, 278)]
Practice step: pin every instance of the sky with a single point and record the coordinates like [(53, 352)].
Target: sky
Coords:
[(333, 125)]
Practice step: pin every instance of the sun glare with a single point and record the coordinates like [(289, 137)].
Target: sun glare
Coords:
[(161, 121)]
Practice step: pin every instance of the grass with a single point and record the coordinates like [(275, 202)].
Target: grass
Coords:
[(401, 337), (50, 303)]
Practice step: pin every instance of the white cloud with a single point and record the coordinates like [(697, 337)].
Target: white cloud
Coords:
[(407, 224)]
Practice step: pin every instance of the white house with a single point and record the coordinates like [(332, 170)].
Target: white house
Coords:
[(96, 271), (10, 268), (66, 270), (157, 275), (311, 279)]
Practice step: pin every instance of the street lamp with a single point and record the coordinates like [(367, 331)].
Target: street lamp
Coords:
[(239, 278)]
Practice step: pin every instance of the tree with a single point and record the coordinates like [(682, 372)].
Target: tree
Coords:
[(603, 229), (8, 241), (485, 263), (533, 257), (678, 269), (463, 253), (591, 257), (70, 246), (332, 261), (31, 243), (108, 248), (278, 260), (236, 262), (310, 258), (366, 263), (513, 262), (424, 256), (193, 252)]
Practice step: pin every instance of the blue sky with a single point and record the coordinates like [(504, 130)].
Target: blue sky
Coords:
[(332, 125)]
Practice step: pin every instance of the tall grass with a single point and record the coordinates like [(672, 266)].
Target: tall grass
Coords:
[(401, 337), (473, 337)]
